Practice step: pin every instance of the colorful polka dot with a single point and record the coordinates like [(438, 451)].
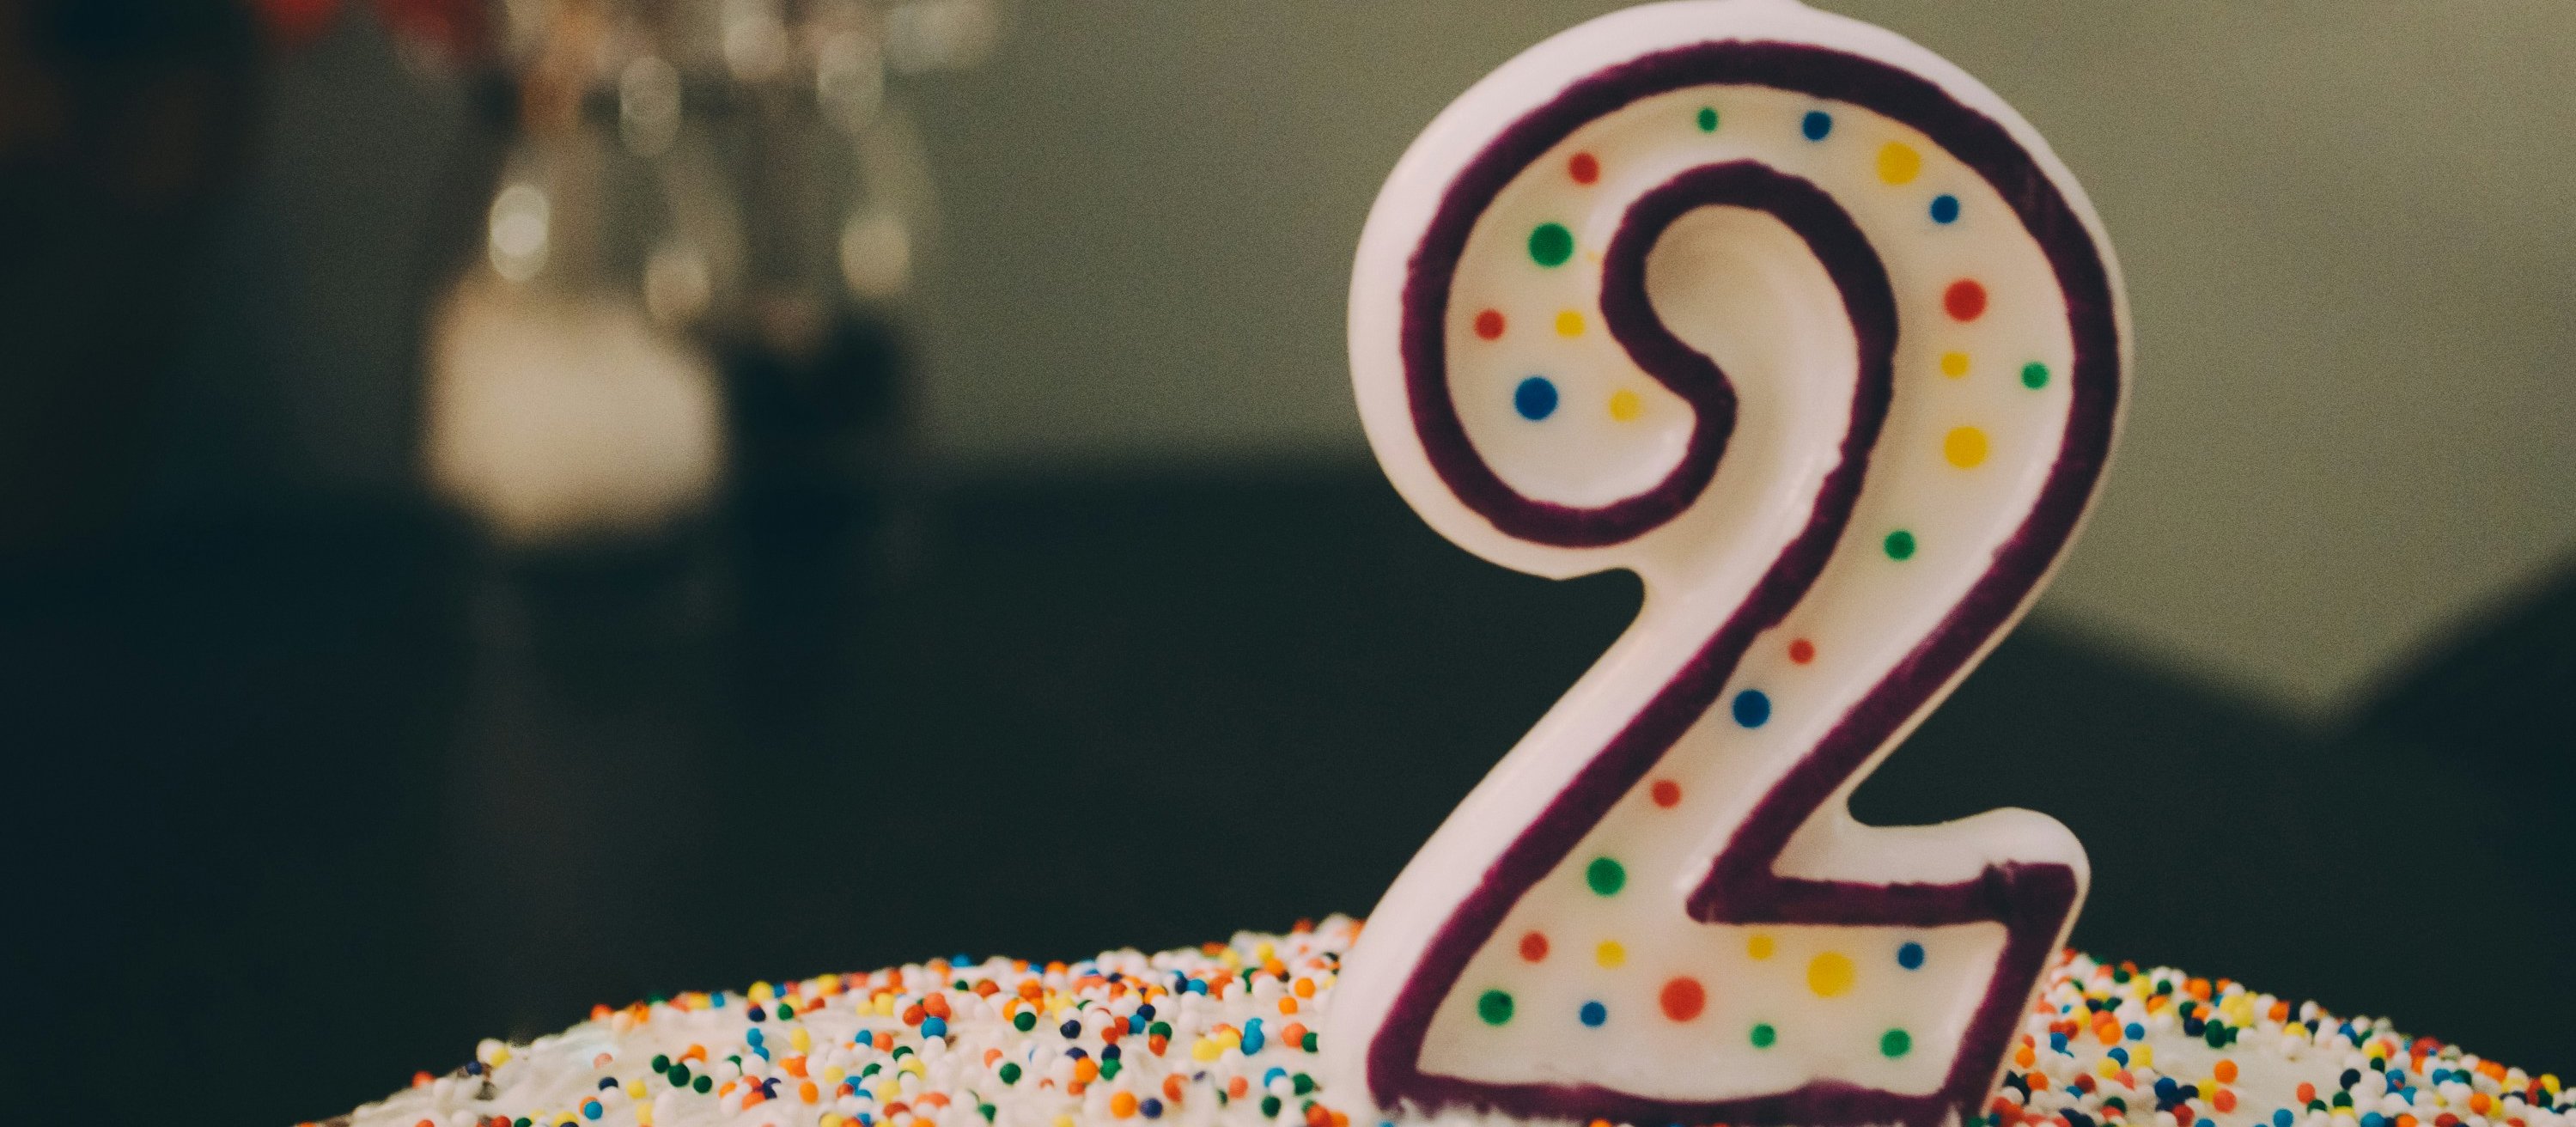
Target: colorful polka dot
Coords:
[(1666, 793), (1801, 651), (1898, 163), (1945, 209), (1593, 1014), (1535, 398), (1964, 447), (1816, 124), (1965, 300), (1682, 998), (1569, 323), (1910, 956), (1760, 946), (1495, 1007), (1606, 876), (1752, 708), (1708, 119), (1584, 168), (1610, 954), (1764, 1036), (1899, 545), (1831, 974), (1489, 324), (1534, 947), (1625, 406), (1895, 1043), (1551, 244), (2034, 375), (1954, 364)]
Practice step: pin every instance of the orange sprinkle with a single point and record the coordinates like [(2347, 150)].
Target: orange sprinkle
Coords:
[(2197, 988), (932, 1099), (808, 1092), (726, 1089), (2038, 1080), (1305, 988), (1295, 1034), (1316, 1116), (991, 1055), (2108, 1032), (752, 1098), (2224, 1070), (885, 1042), (2280, 1011), (1086, 1069), (2024, 1057), (793, 1066), (1122, 1105), (694, 1052), (1172, 1087), (1235, 1088), (2479, 1103), (422, 1079), (913, 1014), (2225, 1100), (1341, 1119), (987, 988), (1030, 989), (1157, 1043), (599, 1013), (937, 1006), (1287, 1005), (2306, 1092)]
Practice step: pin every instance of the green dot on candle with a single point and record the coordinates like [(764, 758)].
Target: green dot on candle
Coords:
[(1495, 1007), (1895, 1043), (1900, 545), (2034, 375), (1551, 244), (1764, 1035), (1708, 119), (1605, 876)]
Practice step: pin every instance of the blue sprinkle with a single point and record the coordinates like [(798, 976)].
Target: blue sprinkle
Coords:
[(1146, 1011), (1272, 1075), (1594, 1013), (2057, 1042), (1945, 209), (1253, 1039), (1153, 1109), (1752, 708), (590, 1109), (2374, 1119), (1136, 1022), (758, 1014), (474, 1068), (752, 1037), (1535, 398), (2135, 1032), (1910, 956), (1198, 986), (762, 1050), (607, 1082), (933, 1027), (2118, 1054), (1070, 1029), (2164, 1085), (1816, 124), (2281, 1117)]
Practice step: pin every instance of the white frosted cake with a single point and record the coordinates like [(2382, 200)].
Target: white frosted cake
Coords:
[(1226, 1034)]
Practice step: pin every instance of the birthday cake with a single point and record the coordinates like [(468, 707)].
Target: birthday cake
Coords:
[(1810, 331), (1226, 1034)]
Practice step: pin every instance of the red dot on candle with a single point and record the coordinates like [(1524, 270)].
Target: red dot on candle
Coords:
[(1667, 793), (1802, 651), (1534, 947), (1489, 324), (1683, 999), (1583, 168), (1965, 299)]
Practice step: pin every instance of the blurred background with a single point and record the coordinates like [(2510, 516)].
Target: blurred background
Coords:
[(512, 504)]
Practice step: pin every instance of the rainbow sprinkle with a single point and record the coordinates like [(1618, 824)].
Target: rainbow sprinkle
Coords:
[(1224, 1034)]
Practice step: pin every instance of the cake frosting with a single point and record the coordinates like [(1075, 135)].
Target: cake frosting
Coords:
[(1225, 1034)]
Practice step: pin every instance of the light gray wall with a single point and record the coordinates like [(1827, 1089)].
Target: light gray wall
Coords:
[(2346, 228)]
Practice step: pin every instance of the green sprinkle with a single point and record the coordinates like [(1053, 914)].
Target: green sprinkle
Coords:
[(704, 1084), (661, 1062), (1010, 1073), (1495, 1007), (1895, 1043), (1605, 876), (1024, 1020), (679, 1076), (1309, 1046), (1304, 1083), (1764, 1035), (1109, 1069), (1900, 545), (1708, 119), (2034, 375), (1270, 1107), (1161, 1029), (1551, 244), (986, 1110)]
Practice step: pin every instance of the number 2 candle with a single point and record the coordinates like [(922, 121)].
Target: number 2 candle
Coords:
[(1810, 330)]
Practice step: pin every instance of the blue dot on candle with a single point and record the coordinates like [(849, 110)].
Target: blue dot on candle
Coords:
[(1594, 1013), (1945, 209), (1816, 124), (1535, 398), (1752, 708), (1910, 956)]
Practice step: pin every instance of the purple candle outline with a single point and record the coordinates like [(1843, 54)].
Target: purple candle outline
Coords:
[(2032, 901)]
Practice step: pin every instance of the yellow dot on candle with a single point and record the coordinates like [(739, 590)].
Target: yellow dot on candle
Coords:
[(1569, 323), (1760, 946), (1965, 447), (1898, 163), (1954, 364), (1829, 974), (1610, 953), (1625, 406)]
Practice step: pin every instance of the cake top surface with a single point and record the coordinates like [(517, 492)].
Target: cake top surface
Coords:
[(1224, 1034)]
